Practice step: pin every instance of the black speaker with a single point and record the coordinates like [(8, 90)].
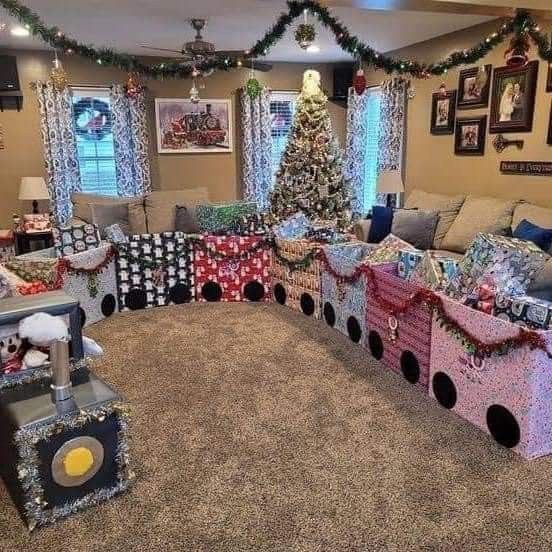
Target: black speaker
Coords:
[(343, 80), (9, 79)]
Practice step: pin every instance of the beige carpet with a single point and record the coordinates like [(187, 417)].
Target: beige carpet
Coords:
[(258, 429)]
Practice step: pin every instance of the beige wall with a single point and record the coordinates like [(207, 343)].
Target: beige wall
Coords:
[(431, 162), (22, 155)]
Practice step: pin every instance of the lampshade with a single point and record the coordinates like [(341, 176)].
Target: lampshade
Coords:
[(390, 182), (33, 188)]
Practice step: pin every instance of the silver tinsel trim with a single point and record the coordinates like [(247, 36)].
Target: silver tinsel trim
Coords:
[(36, 374), (26, 439)]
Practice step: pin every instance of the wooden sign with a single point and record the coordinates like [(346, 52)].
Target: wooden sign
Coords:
[(529, 168)]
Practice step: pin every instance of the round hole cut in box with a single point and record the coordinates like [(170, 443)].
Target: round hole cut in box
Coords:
[(509, 396), (406, 340)]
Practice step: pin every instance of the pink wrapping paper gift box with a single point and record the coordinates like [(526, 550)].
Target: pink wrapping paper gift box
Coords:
[(508, 396), (402, 343)]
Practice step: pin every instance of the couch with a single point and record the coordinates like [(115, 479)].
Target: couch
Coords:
[(462, 217), (154, 212)]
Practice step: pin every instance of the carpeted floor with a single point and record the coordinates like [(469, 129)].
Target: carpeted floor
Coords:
[(258, 429)]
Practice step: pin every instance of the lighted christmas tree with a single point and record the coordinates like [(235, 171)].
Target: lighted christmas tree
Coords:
[(310, 177)]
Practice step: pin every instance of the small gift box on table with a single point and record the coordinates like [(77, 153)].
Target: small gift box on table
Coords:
[(525, 311), (494, 374), (296, 275), (221, 217), (343, 288), (232, 268), (507, 265), (155, 270), (398, 323)]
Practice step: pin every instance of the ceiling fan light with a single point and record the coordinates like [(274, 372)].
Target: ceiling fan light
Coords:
[(313, 49)]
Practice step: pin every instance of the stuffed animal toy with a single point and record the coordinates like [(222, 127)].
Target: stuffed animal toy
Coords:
[(15, 356)]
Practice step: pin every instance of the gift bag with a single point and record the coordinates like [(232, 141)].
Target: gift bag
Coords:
[(155, 270)]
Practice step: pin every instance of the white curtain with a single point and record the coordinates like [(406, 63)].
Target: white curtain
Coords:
[(256, 146)]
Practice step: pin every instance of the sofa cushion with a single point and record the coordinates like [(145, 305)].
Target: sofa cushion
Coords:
[(541, 216), (382, 219), (137, 218), (526, 230), (186, 220), (161, 207), (447, 206), (486, 215), (104, 216), (415, 226), (82, 202)]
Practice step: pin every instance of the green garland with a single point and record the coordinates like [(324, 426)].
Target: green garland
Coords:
[(297, 264), (520, 25), (199, 244)]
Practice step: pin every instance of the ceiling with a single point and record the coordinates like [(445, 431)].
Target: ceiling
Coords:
[(232, 25)]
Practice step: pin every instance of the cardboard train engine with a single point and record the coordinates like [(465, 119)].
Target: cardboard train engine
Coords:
[(63, 431)]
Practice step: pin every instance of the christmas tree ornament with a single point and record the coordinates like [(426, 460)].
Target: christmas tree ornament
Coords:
[(517, 54), (305, 34), (359, 82), (132, 87), (253, 88), (58, 76)]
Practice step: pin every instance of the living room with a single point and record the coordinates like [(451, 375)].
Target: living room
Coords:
[(275, 275)]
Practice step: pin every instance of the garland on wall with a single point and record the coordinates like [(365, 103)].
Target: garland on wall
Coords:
[(521, 26)]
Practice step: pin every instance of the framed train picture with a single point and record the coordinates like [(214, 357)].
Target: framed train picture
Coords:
[(187, 127)]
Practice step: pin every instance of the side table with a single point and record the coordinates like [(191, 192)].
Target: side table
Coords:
[(25, 242)]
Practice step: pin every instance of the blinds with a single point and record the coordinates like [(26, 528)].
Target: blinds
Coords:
[(371, 158), (282, 108), (95, 148)]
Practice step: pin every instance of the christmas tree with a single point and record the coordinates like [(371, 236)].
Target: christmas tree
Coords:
[(310, 177)]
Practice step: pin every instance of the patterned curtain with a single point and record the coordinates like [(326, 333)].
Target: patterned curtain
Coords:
[(131, 141), (394, 97), (355, 148), (60, 148), (256, 146)]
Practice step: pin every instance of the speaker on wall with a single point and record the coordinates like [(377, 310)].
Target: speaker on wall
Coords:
[(9, 78)]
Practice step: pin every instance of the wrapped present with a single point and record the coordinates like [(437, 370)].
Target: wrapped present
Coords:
[(296, 275), (232, 268), (155, 270), (36, 269), (91, 277), (343, 288), (400, 341), (76, 238), (525, 311), (388, 249), (408, 259), (506, 264), (7, 245), (494, 374), (433, 271), (39, 222), (255, 224), (221, 217), (293, 228)]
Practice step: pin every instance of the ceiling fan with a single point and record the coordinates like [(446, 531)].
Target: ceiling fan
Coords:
[(198, 50)]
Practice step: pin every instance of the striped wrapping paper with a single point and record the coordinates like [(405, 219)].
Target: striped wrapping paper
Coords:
[(407, 350)]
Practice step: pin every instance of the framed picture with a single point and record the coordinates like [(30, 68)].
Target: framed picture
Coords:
[(474, 86), (549, 140), (443, 112), (470, 136), (186, 127), (513, 99), (549, 78)]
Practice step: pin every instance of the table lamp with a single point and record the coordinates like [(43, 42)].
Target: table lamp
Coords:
[(390, 183), (33, 188)]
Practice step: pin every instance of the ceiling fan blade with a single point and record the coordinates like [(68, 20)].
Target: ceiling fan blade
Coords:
[(257, 65), (230, 53), (160, 49)]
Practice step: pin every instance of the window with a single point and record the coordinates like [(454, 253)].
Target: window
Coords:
[(95, 150), (371, 159), (282, 107)]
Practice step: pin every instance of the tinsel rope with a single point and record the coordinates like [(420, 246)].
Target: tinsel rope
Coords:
[(341, 278), (295, 264), (70, 267), (522, 24), (431, 300)]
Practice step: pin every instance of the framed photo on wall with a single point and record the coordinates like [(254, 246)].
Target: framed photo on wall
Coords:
[(443, 112), (513, 98), (470, 136), (186, 127), (474, 86), (549, 78), (549, 140)]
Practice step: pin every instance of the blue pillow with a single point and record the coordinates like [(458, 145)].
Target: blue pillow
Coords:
[(382, 219), (531, 232)]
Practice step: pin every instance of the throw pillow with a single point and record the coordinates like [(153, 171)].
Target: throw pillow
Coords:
[(415, 227), (185, 220), (380, 228), (137, 218), (108, 215), (531, 232), (447, 206), (479, 215)]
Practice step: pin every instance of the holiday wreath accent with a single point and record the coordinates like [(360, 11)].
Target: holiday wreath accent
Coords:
[(521, 25)]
